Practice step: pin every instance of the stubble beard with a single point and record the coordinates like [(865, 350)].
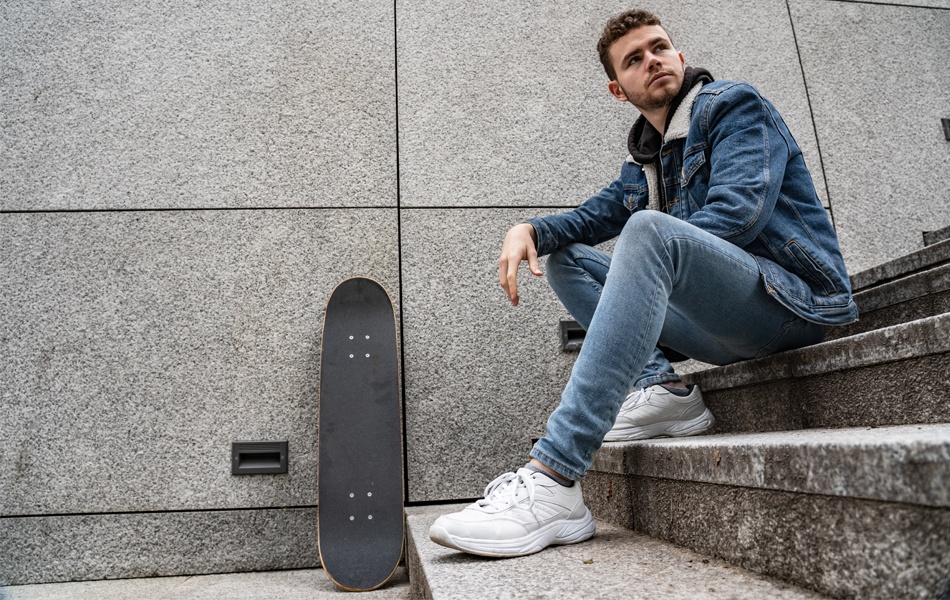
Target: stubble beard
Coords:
[(646, 101)]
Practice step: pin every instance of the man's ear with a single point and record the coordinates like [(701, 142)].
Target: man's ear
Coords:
[(617, 91), (682, 58)]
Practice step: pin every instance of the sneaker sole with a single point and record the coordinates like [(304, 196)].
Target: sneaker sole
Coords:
[(701, 424), (559, 533)]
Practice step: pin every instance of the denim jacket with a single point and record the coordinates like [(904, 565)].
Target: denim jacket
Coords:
[(729, 166)]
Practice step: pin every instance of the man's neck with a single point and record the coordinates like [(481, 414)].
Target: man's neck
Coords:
[(657, 118)]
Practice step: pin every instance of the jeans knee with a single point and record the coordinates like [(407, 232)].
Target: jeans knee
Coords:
[(644, 222), (558, 264), (645, 227)]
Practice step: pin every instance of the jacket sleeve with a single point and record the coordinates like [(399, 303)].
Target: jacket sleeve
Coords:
[(597, 220), (747, 153)]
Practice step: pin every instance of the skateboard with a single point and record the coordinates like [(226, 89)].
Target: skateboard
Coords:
[(360, 524)]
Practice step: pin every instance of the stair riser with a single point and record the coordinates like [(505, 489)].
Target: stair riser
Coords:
[(418, 584), (903, 392), (837, 546), (907, 464)]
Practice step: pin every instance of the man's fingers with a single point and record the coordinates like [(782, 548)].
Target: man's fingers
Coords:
[(512, 281), (503, 273), (503, 279), (533, 261), (518, 245)]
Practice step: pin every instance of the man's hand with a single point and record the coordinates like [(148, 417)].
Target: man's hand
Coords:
[(520, 244)]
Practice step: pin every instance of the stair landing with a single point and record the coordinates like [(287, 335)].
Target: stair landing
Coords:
[(615, 563)]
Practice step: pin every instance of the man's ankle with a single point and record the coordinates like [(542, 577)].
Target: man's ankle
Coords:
[(538, 465)]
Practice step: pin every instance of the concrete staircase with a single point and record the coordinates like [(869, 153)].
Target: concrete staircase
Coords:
[(828, 474)]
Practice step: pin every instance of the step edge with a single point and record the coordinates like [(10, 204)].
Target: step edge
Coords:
[(900, 456), (913, 287)]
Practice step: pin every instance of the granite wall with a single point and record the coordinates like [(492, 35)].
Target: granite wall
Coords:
[(182, 185)]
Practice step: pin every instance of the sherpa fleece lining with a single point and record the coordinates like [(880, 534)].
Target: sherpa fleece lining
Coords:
[(678, 128)]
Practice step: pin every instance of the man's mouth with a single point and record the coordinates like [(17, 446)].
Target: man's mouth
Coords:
[(658, 77)]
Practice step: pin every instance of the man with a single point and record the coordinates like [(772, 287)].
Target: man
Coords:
[(724, 253)]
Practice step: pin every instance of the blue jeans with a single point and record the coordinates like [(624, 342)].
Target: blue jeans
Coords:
[(669, 284)]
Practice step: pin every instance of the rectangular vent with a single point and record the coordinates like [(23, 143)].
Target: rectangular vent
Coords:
[(572, 335), (253, 458)]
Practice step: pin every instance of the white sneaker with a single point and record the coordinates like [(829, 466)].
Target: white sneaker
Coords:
[(656, 411), (522, 513)]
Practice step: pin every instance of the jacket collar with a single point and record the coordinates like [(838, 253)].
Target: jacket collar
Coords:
[(678, 127)]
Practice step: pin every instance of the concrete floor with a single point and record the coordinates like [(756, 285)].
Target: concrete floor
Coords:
[(308, 584)]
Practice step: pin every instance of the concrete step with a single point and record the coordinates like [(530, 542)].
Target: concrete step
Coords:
[(916, 296), (928, 257), (891, 376), (933, 237), (615, 563), (862, 512)]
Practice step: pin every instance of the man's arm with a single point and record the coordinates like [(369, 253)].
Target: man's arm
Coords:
[(600, 218), (748, 154)]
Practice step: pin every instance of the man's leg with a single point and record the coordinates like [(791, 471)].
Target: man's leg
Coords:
[(577, 274), (722, 313), (659, 261)]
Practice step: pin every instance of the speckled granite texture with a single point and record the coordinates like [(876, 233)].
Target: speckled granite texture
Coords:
[(838, 546), (136, 346), (172, 105), (905, 463), (481, 376), (305, 584), (116, 546), (615, 563), (509, 105), (182, 185)]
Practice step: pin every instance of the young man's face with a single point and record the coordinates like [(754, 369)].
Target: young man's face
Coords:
[(649, 70)]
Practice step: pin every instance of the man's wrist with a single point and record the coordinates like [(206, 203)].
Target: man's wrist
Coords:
[(532, 232)]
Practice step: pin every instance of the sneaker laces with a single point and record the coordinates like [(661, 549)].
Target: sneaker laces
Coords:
[(503, 490), (640, 397), (636, 398)]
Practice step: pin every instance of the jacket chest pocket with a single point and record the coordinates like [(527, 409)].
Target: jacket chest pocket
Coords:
[(635, 197)]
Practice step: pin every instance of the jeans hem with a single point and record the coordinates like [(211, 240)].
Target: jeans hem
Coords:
[(555, 464), (657, 379)]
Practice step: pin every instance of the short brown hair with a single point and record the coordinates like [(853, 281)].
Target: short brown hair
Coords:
[(619, 26)]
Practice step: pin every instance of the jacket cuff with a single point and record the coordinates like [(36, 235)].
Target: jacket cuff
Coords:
[(545, 243)]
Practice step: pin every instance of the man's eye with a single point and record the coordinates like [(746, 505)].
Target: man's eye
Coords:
[(660, 48), (634, 60)]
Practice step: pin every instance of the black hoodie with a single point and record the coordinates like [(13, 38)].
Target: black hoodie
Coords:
[(644, 141)]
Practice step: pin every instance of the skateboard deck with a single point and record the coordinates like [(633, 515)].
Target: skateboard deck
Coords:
[(360, 488)]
